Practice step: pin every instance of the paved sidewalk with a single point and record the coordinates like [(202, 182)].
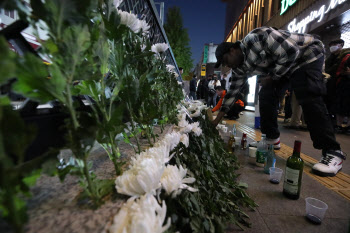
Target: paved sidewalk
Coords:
[(276, 213)]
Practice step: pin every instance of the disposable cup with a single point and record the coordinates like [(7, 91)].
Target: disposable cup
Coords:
[(252, 152), (238, 141), (315, 210), (275, 175)]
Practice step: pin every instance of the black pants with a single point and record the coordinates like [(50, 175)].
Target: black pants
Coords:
[(235, 110), (307, 83)]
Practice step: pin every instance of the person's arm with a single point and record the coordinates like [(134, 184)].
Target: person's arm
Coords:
[(230, 97), (217, 107)]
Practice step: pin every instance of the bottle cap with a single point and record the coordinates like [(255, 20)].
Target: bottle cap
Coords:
[(297, 146)]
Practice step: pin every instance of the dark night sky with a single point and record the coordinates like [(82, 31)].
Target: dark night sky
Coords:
[(204, 20)]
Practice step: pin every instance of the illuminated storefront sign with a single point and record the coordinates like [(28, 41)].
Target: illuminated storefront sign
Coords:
[(319, 14), (203, 70), (285, 4), (205, 55)]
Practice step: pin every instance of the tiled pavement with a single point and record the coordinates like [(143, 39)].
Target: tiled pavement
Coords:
[(277, 213)]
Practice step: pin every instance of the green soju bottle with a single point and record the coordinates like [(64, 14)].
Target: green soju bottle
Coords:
[(293, 173)]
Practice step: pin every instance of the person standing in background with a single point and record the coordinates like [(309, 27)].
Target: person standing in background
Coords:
[(331, 65), (212, 92), (193, 87)]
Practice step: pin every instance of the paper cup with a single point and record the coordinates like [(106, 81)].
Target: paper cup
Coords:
[(252, 152), (238, 141)]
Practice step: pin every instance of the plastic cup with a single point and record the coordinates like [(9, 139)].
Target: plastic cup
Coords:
[(315, 210), (252, 152), (275, 175), (238, 141)]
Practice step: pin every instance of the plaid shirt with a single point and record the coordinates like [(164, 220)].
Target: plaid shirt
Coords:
[(271, 52)]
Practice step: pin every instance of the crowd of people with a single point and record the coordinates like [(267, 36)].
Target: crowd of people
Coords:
[(336, 76), (212, 91)]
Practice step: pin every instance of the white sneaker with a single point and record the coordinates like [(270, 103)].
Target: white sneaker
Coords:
[(330, 164), (276, 143)]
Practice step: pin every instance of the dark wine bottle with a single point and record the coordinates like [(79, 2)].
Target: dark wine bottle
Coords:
[(293, 173)]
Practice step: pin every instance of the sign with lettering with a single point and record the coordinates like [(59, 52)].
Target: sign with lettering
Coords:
[(285, 4), (300, 27), (203, 70), (205, 55)]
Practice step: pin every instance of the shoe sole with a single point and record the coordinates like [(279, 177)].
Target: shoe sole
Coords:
[(324, 174)]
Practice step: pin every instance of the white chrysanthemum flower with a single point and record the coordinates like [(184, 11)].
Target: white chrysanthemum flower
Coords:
[(130, 20), (185, 140), (117, 3), (143, 177), (183, 123), (186, 129), (182, 115), (170, 68), (142, 215), (173, 180), (159, 48), (196, 129), (196, 114), (172, 139), (144, 26), (192, 107), (177, 75)]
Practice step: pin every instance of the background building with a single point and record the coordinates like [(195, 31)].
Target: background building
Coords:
[(208, 59), (329, 19)]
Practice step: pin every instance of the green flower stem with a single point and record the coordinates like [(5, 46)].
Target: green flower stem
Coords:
[(115, 155), (71, 108), (133, 127), (148, 132), (13, 213), (90, 187)]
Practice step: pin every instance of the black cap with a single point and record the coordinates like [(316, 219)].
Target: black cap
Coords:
[(223, 48), (338, 41)]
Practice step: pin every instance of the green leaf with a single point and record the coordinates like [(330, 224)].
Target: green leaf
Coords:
[(7, 61), (31, 179), (34, 80)]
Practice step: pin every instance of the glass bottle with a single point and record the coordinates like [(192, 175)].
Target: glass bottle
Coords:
[(244, 142), (261, 152), (270, 160), (234, 130), (231, 142), (293, 173)]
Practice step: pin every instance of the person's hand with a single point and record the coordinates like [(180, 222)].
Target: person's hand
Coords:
[(287, 93), (218, 118)]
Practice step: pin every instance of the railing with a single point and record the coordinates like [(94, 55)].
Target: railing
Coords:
[(146, 10)]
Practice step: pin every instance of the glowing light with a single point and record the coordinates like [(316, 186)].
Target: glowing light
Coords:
[(319, 14)]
